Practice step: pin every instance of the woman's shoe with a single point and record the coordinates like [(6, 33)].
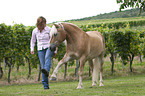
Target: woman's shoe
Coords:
[(45, 72)]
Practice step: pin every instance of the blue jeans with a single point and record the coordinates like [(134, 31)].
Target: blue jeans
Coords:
[(45, 61)]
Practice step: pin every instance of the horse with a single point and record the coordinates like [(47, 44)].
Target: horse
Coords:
[(83, 46)]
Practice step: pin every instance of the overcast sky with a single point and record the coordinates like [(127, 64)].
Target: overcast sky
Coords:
[(27, 11)]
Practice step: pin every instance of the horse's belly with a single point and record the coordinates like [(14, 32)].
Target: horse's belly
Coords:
[(95, 49), (93, 55)]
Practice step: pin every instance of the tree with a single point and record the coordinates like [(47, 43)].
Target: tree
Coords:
[(132, 3), (127, 45), (7, 46), (1, 72), (110, 47)]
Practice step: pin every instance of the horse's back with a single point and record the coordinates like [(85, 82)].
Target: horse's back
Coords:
[(94, 34), (97, 41)]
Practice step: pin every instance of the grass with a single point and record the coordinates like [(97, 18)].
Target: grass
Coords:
[(121, 83), (100, 21), (140, 28), (120, 86), (21, 76)]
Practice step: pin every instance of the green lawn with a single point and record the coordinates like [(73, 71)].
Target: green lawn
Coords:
[(119, 86)]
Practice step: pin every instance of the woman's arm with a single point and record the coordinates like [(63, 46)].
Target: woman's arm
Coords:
[(32, 43)]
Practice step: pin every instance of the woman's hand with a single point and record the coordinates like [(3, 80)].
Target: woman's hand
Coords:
[(32, 52)]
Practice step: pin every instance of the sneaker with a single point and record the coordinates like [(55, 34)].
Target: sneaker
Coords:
[(45, 72), (46, 87)]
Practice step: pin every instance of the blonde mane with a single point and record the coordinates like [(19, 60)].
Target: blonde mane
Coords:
[(73, 26), (53, 31)]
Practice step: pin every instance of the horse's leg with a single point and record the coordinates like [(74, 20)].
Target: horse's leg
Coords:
[(95, 71), (82, 63), (65, 59), (91, 64), (101, 70), (101, 80)]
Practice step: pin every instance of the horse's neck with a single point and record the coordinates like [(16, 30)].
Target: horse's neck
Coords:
[(73, 33), (74, 37)]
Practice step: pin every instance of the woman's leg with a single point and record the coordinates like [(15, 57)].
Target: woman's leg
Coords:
[(41, 55), (48, 56), (47, 66)]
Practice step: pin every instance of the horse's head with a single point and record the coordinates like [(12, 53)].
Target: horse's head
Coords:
[(58, 35)]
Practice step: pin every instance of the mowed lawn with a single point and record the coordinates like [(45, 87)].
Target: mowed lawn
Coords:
[(119, 86)]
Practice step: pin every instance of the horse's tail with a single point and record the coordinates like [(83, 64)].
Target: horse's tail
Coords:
[(102, 54), (96, 70), (103, 39)]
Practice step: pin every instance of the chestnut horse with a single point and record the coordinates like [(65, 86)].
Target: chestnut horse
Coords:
[(82, 46)]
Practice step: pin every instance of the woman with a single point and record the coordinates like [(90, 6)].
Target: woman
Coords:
[(41, 33)]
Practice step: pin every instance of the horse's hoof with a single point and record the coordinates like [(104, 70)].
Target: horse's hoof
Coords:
[(79, 87), (94, 84), (101, 85), (53, 79)]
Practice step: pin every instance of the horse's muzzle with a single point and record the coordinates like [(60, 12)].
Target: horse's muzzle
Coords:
[(52, 47)]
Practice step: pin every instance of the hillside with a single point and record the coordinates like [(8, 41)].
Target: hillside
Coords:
[(116, 14)]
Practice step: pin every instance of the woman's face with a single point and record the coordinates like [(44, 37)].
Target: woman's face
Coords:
[(41, 24)]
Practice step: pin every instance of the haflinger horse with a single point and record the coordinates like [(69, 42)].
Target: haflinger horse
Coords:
[(80, 45)]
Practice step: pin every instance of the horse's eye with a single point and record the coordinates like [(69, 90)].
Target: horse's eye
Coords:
[(55, 34)]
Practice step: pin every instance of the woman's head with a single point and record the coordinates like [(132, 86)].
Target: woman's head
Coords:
[(41, 23)]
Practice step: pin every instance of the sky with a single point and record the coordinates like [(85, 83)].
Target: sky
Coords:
[(27, 11)]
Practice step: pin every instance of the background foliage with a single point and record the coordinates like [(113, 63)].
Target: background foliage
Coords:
[(120, 38)]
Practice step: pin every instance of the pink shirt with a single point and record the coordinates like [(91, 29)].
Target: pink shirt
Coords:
[(43, 38)]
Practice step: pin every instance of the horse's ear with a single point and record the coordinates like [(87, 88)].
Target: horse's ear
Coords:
[(57, 26)]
